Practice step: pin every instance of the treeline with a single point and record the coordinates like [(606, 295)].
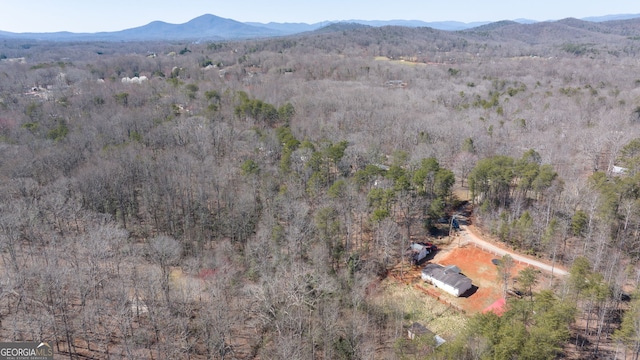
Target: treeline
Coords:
[(501, 182)]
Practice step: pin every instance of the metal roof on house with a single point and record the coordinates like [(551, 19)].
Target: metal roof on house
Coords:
[(451, 278), (451, 269)]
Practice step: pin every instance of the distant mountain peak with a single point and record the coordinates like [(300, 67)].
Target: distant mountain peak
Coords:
[(611, 17), (212, 27), (342, 26)]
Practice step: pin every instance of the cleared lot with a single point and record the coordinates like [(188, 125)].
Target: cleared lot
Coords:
[(476, 264)]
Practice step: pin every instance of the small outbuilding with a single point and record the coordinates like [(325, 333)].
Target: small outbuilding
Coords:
[(417, 330), (418, 251), (449, 278)]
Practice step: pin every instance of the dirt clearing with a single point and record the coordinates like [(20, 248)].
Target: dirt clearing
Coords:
[(475, 264)]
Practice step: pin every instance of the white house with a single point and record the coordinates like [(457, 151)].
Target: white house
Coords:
[(134, 80), (447, 278)]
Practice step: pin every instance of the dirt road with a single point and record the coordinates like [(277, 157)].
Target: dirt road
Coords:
[(469, 237)]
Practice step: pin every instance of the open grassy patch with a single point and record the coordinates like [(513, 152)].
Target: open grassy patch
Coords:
[(416, 306)]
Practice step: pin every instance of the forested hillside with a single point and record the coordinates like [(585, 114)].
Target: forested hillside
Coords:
[(246, 199)]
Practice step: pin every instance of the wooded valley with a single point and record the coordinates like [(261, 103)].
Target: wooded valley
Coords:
[(247, 199)]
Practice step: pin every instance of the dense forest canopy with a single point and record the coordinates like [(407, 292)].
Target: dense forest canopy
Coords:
[(243, 199)]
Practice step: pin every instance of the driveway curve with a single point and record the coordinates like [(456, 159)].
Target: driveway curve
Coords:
[(470, 237)]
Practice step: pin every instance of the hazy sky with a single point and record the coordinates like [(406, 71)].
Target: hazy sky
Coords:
[(111, 15)]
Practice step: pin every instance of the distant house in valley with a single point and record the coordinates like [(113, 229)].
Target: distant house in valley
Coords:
[(134, 80), (447, 278), (395, 84), (618, 170)]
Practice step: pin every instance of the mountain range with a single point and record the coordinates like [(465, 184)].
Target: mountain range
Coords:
[(211, 27)]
